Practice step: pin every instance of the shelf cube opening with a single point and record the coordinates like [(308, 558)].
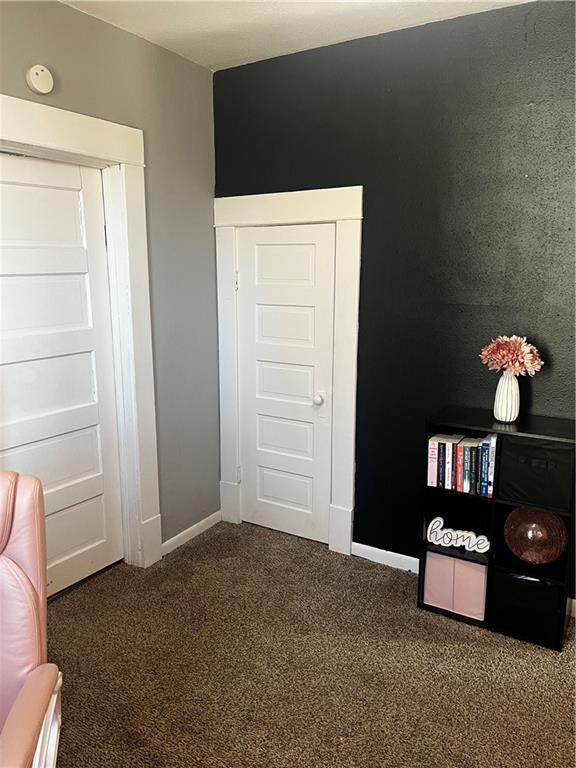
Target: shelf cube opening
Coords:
[(455, 585)]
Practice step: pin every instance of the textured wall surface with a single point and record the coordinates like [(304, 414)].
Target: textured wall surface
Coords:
[(105, 72), (462, 133)]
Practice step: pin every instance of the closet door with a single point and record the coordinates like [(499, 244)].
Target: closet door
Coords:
[(57, 395), (285, 320)]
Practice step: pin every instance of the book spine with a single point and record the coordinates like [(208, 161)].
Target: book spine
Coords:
[(473, 467), (492, 465), (441, 464), (485, 451), (459, 468), (466, 481), (454, 465), (479, 470), (432, 463), (448, 467)]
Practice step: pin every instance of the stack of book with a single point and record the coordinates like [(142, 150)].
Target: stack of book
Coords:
[(463, 464)]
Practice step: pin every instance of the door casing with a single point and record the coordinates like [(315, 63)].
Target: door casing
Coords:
[(37, 130), (343, 207)]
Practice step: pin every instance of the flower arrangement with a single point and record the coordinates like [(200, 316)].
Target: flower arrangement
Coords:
[(513, 354)]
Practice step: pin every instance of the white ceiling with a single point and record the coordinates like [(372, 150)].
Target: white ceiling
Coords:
[(219, 34)]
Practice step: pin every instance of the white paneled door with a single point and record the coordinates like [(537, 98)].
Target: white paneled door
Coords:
[(286, 308), (57, 396)]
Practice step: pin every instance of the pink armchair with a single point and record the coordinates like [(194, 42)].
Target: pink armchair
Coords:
[(29, 687)]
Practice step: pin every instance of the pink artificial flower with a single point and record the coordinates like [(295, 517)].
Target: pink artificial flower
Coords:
[(513, 354)]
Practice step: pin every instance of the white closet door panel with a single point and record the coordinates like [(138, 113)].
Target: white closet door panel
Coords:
[(285, 382), (23, 305), (278, 265), (56, 423), (80, 527), (59, 460), (35, 387), (39, 173), (43, 260), (20, 347), (69, 464), (285, 489), (286, 437), (60, 222)]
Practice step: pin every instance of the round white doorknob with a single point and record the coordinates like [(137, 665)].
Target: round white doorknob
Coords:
[(318, 399)]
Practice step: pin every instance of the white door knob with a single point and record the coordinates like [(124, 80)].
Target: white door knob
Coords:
[(318, 399)]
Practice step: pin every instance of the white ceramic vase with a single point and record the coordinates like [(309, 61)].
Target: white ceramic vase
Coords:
[(507, 400)]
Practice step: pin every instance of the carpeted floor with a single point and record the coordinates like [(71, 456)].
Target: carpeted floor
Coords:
[(247, 648)]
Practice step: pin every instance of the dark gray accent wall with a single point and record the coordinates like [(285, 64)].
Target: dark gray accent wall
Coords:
[(105, 72), (462, 133)]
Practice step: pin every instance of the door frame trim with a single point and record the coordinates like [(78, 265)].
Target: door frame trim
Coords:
[(341, 206), (37, 130)]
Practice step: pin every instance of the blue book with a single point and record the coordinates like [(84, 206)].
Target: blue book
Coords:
[(485, 461)]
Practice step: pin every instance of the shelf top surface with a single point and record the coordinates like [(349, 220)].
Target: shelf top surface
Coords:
[(482, 420)]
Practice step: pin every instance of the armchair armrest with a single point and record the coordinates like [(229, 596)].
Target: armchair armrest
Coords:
[(23, 725)]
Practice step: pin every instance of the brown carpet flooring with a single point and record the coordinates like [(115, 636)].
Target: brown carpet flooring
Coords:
[(247, 648)]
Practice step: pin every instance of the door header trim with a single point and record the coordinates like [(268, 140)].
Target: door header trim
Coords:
[(314, 206), (39, 130)]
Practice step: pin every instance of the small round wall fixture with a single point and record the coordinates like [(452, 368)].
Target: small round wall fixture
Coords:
[(535, 535), (39, 79)]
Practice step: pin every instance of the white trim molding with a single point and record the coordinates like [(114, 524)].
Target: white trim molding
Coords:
[(340, 529), (228, 361), (38, 130), (314, 206), (342, 207), (191, 533), (346, 304), (382, 556), (125, 211)]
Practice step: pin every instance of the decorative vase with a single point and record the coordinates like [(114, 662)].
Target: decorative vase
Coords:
[(507, 400), (535, 535)]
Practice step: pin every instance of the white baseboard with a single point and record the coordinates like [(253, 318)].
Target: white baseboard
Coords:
[(340, 529), (393, 559), (191, 533), (230, 501), (151, 536)]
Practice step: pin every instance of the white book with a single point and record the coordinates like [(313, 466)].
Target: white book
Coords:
[(492, 464), (433, 461), (448, 467)]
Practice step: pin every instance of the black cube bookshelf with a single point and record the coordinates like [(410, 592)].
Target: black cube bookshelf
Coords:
[(534, 467)]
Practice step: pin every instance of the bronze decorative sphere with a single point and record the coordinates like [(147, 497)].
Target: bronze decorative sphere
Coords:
[(535, 535)]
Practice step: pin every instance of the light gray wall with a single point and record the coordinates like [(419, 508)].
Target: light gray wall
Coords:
[(108, 73)]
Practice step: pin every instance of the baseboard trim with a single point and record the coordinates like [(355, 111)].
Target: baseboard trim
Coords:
[(340, 529), (150, 536), (230, 502), (191, 533), (393, 559)]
